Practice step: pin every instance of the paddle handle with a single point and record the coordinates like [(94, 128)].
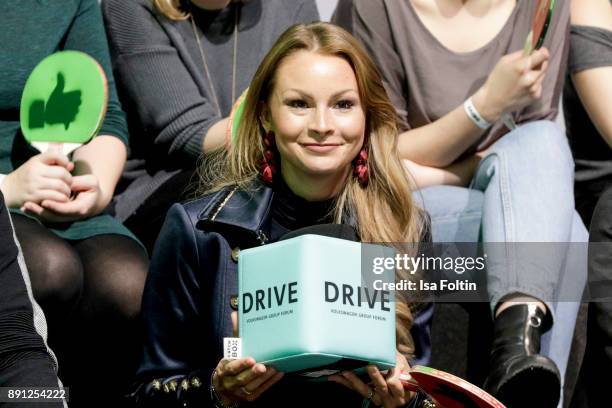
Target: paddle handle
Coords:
[(64, 148), (508, 121), (506, 118)]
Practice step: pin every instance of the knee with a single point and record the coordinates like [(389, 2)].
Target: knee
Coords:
[(120, 294), (57, 277), (538, 142), (549, 143), (128, 299), (449, 201)]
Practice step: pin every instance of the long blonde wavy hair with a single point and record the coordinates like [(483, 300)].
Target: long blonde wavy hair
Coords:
[(384, 210)]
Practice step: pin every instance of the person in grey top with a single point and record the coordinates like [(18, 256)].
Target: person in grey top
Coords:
[(179, 66), (477, 113)]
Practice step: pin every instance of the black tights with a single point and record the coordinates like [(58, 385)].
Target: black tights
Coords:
[(90, 291)]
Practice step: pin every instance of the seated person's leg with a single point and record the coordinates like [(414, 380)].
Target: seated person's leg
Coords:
[(527, 180), (25, 359), (455, 212), (55, 270), (115, 271), (557, 343), (115, 268)]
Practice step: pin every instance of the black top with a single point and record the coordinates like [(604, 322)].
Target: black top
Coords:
[(291, 212)]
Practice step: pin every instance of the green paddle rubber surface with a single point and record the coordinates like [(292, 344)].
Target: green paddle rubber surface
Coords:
[(64, 99)]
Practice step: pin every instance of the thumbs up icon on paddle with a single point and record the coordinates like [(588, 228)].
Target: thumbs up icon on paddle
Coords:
[(61, 107)]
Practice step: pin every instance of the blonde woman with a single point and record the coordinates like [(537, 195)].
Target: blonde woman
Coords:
[(316, 145)]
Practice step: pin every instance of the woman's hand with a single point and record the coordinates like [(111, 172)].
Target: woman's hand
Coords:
[(383, 390), (243, 380), (87, 201), (45, 176), (515, 82)]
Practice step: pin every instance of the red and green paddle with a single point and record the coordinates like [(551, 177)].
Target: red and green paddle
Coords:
[(235, 118), (539, 27), (448, 390), (63, 102)]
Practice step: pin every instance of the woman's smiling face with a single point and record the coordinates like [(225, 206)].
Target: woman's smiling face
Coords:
[(316, 115)]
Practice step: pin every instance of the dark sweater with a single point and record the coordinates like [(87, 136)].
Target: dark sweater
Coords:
[(164, 87)]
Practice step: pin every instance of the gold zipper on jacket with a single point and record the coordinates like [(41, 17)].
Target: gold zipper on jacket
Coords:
[(225, 200), (261, 236)]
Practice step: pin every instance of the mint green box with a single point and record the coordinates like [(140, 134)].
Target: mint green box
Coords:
[(303, 308)]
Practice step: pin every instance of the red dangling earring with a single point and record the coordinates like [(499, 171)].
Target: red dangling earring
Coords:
[(268, 165), (361, 168)]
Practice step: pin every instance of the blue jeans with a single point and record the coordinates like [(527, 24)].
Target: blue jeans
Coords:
[(522, 192)]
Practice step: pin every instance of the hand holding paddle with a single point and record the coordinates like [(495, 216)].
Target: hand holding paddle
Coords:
[(83, 204), (515, 82), (535, 39), (62, 106), (45, 176)]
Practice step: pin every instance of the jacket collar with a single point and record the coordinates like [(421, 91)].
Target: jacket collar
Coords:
[(237, 210)]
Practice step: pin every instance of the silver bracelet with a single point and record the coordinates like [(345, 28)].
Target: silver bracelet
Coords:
[(474, 115), (216, 399)]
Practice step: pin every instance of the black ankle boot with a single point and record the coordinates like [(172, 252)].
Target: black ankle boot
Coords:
[(518, 376)]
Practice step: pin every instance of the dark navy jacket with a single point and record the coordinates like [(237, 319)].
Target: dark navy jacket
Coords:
[(191, 287)]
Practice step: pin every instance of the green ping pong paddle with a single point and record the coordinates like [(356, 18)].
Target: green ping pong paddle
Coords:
[(235, 118), (63, 102)]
